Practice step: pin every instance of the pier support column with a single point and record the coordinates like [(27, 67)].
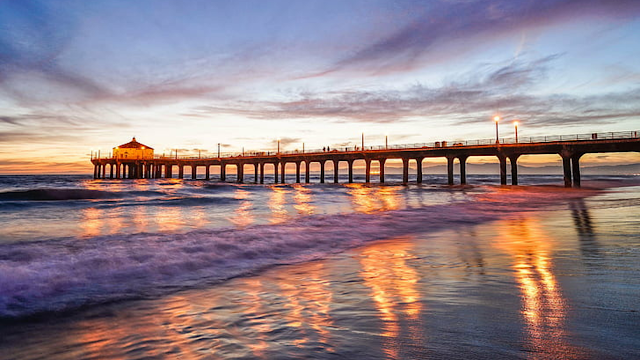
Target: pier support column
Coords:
[(118, 166), (566, 170), (322, 171), (95, 171), (503, 169), (297, 172), (350, 165), (180, 171), (168, 171), (335, 171), (255, 173), (382, 170), (275, 172), (307, 170), (194, 172), (575, 165), (223, 172), (240, 173), (367, 171), (261, 173), (110, 171), (207, 172), (419, 170), (463, 169), (104, 171), (405, 171), (283, 170), (513, 159), (450, 160)]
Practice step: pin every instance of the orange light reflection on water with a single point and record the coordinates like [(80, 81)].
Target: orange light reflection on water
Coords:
[(368, 199), (277, 201), (393, 285), (307, 299), (543, 307), (92, 222), (242, 214), (302, 198)]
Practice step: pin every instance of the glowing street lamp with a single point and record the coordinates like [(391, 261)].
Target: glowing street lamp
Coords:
[(515, 124), (497, 119)]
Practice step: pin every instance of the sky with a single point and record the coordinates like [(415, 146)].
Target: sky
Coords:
[(82, 76)]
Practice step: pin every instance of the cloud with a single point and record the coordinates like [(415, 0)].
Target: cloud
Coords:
[(460, 26), (470, 98), (31, 41), (286, 141)]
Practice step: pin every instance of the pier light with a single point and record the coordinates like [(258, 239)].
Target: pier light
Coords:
[(363, 141), (515, 125), (278, 145), (386, 141), (497, 120)]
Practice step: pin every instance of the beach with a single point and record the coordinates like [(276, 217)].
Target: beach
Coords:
[(191, 270)]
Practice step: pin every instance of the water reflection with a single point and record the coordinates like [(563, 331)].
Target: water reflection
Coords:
[(92, 222), (242, 214), (303, 201), (169, 218), (393, 285), (307, 300), (544, 309), (277, 202), (589, 246), (368, 199)]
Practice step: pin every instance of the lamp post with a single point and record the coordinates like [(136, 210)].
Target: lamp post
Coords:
[(515, 124), (278, 146), (363, 141), (386, 141), (218, 150), (497, 119)]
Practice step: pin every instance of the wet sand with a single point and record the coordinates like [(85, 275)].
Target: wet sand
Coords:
[(536, 284)]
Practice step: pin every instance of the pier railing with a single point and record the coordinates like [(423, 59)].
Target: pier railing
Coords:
[(619, 135)]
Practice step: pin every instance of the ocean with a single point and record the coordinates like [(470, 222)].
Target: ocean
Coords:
[(195, 269)]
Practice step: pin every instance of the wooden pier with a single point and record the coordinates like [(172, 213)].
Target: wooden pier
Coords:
[(570, 149)]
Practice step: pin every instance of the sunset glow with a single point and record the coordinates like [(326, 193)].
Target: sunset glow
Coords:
[(77, 77)]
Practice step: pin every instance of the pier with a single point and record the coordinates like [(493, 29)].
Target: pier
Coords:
[(569, 148)]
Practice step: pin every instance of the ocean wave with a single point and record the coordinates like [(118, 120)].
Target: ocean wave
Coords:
[(70, 194), (63, 274)]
